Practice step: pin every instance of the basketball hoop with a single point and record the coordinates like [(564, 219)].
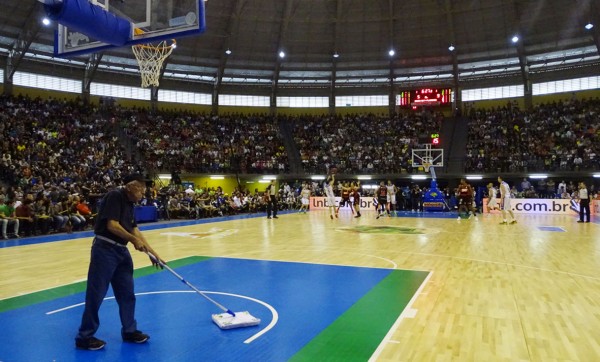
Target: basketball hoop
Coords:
[(151, 58), (426, 166)]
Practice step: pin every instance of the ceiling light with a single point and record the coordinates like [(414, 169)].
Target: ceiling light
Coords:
[(282, 54), (363, 177), (217, 177), (418, 177), (317, 177), (227, 51), (596, 175), (474, 177), (46, 21), (336, 55), (538, 176), (589, 26), (515, 39), (391, 52), (451, 48)]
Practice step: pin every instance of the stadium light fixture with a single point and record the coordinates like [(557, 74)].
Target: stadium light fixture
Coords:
[(596, 175), (451, 48), (515, 39), (392, 52), (336, 55), (474, 177), (46, 21), (418, 177), (317, 177), (363, 177), (589, 26), (217, 177), (538, 176), (282, 54), (228, 51)]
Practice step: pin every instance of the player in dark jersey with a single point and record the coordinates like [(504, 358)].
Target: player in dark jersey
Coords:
[(345, 193), (465, 199), (355, 192), (381, 194)]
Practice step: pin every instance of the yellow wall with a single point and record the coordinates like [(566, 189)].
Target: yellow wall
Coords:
[(228, 184)]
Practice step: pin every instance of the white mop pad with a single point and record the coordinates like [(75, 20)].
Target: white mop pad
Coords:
[(241, 319)]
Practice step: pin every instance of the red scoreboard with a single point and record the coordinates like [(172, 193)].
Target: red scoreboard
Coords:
[(425, 97)]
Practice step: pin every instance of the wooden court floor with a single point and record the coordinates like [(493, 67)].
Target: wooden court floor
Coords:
[(524, 292)]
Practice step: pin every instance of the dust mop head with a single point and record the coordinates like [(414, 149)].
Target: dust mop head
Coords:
[(241, 319)]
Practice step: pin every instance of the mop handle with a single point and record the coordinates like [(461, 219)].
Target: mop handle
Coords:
[(155, 259)]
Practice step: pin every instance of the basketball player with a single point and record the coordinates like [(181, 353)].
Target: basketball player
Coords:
[(505, 202), (391, 197), (492, 202), (305, 197), (381, 194), (465, 198), (328, 187), (356, 195), (345, 191)]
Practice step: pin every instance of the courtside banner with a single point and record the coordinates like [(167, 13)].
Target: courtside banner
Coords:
[(540, 206), (321, 203)]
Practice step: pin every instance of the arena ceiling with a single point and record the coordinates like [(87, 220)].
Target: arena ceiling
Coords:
[(554, 43)]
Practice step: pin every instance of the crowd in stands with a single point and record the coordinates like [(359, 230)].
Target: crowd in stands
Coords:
[(59, 157), (199, 143), (362, 143), (559, 136)]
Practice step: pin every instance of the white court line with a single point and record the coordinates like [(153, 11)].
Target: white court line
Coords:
[(408, 312), (274, 313)]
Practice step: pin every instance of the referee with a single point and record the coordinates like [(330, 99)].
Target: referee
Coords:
[(584, 203), (272, 200)]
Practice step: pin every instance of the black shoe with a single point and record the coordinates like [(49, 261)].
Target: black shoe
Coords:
[(275, 217), (91, 344), (268, 217), (135, 337), (579, 220)]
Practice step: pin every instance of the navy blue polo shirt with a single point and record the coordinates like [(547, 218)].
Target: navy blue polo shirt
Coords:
[(115, 206)]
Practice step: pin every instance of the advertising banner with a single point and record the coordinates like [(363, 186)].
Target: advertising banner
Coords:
[(317, 203), (540, 206)]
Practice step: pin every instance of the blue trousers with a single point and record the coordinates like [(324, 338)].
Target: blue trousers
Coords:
[(109, 264)]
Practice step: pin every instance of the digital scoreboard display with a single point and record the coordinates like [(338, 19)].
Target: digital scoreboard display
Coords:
[(425, 97)]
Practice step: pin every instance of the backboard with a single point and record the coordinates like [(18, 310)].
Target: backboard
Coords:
[(157, 19), (427, 157)]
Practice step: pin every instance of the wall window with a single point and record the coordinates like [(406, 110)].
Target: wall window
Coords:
[(303, 102), (119, 91), (364, 101), (46, 82), (569, 85), (239, 100), (165, 95), (511, 91)]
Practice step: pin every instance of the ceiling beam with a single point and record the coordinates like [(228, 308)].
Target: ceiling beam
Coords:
[(336, 43), (20, 46), (522, 55), (233, 24), (288, 10), (455, 71)]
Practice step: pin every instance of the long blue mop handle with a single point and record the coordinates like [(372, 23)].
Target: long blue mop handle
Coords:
[(159, 262)]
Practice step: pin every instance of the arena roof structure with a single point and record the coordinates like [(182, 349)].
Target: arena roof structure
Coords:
[(339, 45)]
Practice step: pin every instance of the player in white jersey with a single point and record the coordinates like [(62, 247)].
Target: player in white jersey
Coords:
[(328, 187), (391, 196), (492, 201), (305, 197), (505, 202)]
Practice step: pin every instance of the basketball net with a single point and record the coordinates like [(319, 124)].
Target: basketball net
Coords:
[(150, 58), (426, 166)]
